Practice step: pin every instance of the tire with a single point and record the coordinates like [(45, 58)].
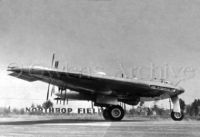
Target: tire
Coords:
[(177, 116), (116, 113), (106, 114)]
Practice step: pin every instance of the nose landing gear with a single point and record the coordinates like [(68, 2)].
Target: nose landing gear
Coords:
[(177, 116)]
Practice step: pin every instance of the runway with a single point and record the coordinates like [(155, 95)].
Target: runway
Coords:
[(99, 128)]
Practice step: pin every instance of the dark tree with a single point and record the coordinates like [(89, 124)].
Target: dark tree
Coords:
[(195, 106), (182, 104), (47, 104), (193, 109)]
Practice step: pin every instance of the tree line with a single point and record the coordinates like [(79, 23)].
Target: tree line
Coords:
[(192, 109)]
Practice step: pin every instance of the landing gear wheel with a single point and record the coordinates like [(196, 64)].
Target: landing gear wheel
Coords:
[(177, 116), (116, 113), (106, 114)]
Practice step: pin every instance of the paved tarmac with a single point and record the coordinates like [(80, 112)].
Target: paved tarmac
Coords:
[(99, 128)]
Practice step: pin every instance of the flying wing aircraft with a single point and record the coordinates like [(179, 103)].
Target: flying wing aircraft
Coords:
[(104, 91)]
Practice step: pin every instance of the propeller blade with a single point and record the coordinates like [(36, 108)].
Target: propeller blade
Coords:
[(56, 64), (65, 94), (52, 61), (92, 105), (52, 90), (59, 89), (61, 95), (48, 92), (65, 97)]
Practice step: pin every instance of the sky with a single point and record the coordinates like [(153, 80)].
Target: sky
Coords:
[(103, 35)]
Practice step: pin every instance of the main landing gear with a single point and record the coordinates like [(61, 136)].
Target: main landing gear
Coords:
[(114, 112)]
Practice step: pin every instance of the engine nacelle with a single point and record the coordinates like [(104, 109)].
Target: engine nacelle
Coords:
[(130, 101), (74, 96)]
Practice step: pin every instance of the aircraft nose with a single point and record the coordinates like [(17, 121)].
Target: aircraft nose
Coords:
[(12, 67), (15, 69)]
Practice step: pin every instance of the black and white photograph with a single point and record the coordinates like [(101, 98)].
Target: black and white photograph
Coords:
[(99, 68)]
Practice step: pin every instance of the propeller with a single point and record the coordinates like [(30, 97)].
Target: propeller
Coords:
[(63, 96), (52, 61), (60, 89), (56, 67)]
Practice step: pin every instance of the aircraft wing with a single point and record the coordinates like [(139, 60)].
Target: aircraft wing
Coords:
[(93, 84)]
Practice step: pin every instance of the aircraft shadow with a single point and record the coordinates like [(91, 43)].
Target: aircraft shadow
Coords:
[(57, 121)]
